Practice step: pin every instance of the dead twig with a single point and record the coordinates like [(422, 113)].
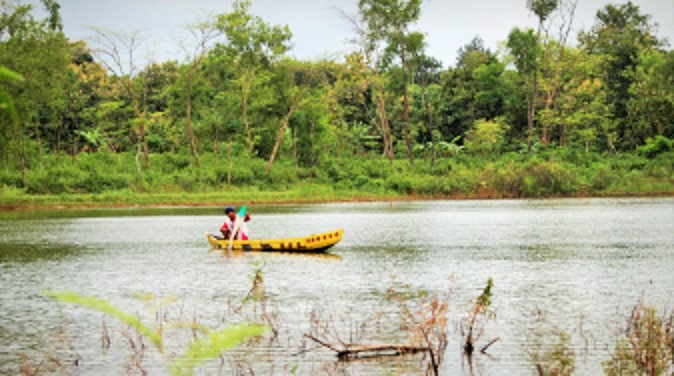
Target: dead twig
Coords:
[(353, 351)]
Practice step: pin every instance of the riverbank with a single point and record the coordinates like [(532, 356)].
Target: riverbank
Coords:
[(300, 196), (105, 180)]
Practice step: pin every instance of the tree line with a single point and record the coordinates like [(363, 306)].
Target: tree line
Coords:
[(237, 91)]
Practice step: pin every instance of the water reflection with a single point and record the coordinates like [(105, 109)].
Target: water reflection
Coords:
[(27, 253), (327, 257)]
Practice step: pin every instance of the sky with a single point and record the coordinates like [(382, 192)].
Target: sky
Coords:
[(319, 31)]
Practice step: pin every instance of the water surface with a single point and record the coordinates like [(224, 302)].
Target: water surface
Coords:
[(583, 263)]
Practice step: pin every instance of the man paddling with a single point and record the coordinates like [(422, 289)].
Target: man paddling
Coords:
[(228, 226)]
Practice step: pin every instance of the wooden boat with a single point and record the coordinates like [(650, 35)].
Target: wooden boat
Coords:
[(309, 244)]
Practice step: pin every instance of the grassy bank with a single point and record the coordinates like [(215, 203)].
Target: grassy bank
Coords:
[(114, 180)]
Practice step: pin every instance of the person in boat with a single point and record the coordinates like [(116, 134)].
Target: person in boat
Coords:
[(228, 226)]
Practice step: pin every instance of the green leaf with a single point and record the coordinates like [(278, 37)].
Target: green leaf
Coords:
[(106, 307), (9, 75), (7, 104), (210, 346)]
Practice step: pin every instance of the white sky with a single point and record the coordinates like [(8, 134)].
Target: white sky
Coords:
[(318, 29)]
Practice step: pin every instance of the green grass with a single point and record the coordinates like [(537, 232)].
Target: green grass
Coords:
[(105, 179)]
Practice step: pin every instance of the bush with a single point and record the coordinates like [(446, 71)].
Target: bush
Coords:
[(655, 146), (486, 137), (97, 182)]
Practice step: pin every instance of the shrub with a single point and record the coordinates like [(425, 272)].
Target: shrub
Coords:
[(486, 137), (97, 182), (655, 146)]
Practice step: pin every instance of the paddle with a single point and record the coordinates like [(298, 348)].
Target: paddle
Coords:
[(240, 218)]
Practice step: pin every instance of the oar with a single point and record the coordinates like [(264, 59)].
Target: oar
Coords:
[(240, 217)]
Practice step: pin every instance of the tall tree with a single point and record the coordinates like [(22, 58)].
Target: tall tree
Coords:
[(252, 46), (389, 23), (650, 109), (370, 58), (620, 34), (552, 64), (118, 53), (202, 34), (296, 79), (39, 51), (459, 90), (525, 49), (428, 79)]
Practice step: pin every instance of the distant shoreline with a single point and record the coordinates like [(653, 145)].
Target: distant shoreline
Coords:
[(87, 201)]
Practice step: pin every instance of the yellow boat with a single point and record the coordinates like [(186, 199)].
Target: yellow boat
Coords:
[(312, 243)]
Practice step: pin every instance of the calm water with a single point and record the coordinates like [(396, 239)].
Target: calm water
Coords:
[(583, 263)]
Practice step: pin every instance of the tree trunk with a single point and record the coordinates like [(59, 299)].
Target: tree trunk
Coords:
[(312, 155), (146, 147), (229, 162), (39, 144), (340, 133), (406, 128), (190, 131), (245, 89), (294, 134), (18, 141), (530, 122), (58, 138), (281, 132), (429, 112), (139, 115), (216, 140), (406, 110), (531, 102), (76, 141), (551, 97), (385, 128)]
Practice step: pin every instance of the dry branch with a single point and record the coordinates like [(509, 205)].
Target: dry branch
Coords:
[(352, 351)]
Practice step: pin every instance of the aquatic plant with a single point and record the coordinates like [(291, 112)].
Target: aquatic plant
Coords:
[(646, 347), (208, 346), (559, 359)]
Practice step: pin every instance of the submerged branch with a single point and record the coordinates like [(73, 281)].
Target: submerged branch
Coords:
[(352, 351)]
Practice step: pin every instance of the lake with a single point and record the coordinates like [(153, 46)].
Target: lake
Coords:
[(582, 264)]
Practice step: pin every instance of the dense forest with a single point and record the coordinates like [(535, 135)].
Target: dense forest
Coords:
[(544, 116)]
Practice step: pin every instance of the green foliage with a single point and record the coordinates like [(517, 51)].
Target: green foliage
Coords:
[(6, 102), (478, 314), (213, 344), (199, 351), (486, 137), (484, 299), (559, 359), (620, 35), (78, 127), (655, 146), (105, 307), (542, 8), (525, 49), (646, 347)]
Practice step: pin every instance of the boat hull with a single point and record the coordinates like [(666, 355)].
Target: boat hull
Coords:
[(315, 243)]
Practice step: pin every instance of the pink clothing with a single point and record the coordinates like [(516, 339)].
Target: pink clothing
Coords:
[(228, 225)]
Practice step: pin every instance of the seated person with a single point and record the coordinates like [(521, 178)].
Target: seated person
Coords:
[(228, 226)]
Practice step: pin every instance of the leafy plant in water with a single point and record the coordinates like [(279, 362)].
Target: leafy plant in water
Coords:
[(197, 353), (560, 359), (549, 347), (647, 345), (478, 314)]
